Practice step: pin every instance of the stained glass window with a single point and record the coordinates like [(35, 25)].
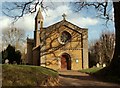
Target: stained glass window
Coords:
[(65, 37)]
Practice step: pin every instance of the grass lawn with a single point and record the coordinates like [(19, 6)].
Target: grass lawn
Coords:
[(25, 75), (99, 73), (91, 70)]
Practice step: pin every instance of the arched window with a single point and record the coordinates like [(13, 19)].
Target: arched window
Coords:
[(38, 25), (64, 37)]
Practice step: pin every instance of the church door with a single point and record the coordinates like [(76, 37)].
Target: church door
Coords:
[(65, 62)]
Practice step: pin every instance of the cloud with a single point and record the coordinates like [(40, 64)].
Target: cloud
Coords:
[(75, 18), (54, 15), (5, 22), (51, 16), (26, 23), (85, 22)]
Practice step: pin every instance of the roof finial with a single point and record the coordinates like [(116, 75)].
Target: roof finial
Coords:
[(64, 15)]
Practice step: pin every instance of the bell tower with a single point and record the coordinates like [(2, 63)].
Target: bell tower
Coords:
[(38, 27)]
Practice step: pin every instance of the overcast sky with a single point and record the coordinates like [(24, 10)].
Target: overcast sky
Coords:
[(85, 19)]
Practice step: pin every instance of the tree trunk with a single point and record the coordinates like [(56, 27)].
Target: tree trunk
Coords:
[(115, 63)]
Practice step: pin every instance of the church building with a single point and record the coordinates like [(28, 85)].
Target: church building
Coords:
[(60, 46)]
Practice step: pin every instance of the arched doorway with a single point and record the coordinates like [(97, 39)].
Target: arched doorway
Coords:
[(65, 61)]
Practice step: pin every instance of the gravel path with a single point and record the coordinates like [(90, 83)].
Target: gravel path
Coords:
[(74, 78)]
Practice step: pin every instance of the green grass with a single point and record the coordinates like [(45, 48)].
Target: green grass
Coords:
[(24, 75), (91, 70), (100, 73)]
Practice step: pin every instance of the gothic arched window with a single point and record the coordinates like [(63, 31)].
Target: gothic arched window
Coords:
[(64, 37), (38, 25)]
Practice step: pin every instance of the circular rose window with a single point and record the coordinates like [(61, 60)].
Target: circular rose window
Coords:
[(64, 37)]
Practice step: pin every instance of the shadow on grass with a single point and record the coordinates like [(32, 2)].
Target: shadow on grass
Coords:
[(93, 77), (107, 75)]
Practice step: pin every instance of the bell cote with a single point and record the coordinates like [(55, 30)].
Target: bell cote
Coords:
[(38, 20)]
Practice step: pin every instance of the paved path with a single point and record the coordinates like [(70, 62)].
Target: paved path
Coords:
[(74, 78)]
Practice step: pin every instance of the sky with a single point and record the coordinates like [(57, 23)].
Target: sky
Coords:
[(84, 19)]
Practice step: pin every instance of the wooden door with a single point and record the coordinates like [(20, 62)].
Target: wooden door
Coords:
[(69, 64), (63, 63)]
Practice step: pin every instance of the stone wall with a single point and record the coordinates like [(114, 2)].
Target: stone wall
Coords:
[(36, 56), (85, 49), (30, 44), (73, 48)]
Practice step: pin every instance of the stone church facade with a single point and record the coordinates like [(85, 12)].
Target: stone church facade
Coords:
[(61, 46)]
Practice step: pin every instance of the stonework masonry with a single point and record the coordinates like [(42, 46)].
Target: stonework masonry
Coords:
[(61, 46)]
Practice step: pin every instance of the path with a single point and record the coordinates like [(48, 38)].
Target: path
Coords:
[(74, 78)]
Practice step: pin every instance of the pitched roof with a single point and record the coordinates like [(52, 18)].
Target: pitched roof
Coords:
[(66, 24), (39, 15)]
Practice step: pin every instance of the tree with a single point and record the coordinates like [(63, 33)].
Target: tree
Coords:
[(115, 63), (18, 56), (13, 36), (101, 6), (4, 56), (23, 7), (12, 55), (92, 58), (102, 50), (107, 41)]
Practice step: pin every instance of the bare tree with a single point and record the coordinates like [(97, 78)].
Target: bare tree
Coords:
[(107, 41), (93, 55), (103, 48), (13, 36), (22, 8)]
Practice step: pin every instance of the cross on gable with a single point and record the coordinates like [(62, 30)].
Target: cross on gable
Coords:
[(64, 15)]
